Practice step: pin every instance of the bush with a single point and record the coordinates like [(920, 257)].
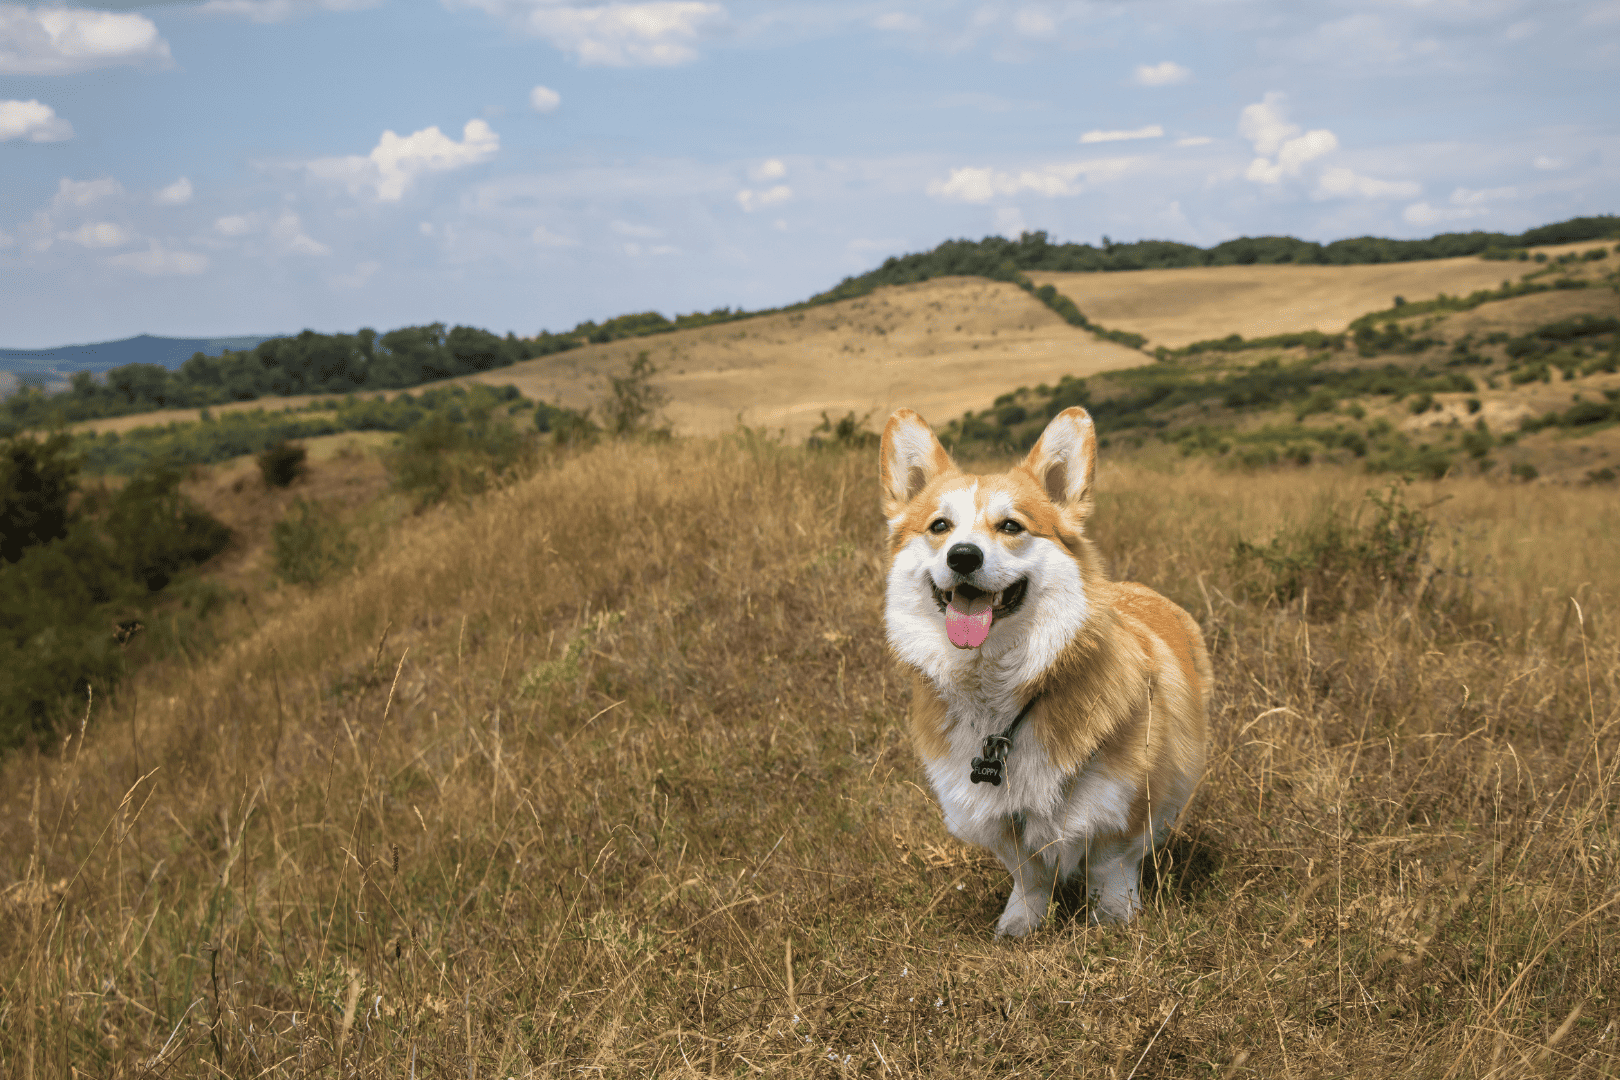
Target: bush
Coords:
[(1337, 554), (850, 432), (448, 456), (308, 544), (634, 402), (36, 481), (157, 531), (282, 463)]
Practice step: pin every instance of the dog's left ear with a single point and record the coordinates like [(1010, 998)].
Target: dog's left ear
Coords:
[(1064, 459), (908, 460)]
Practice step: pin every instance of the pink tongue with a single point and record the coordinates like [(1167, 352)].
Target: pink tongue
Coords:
[(968, 629)]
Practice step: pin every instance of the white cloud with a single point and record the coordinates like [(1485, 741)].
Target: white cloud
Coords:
[(753, 200), (546, 238), (1195, 140), (288, 232), (235, 225), (1338, 182), (274, 11), (898, 20), (1477, 197), (395, 161), (1548, 163), (1264, 124), (6, 239), (84, 192), (62, 40), (1152, 131), (659, 33), (769, 169), (1465, 203), (158, 261), (33, 121), (975, 185), (176, 194), (644, 232), (544, 99), (1165, 73), (99, 234)]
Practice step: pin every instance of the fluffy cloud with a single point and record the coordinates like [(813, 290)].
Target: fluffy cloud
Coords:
[(285, 231), (769, 169), (1152, 131), (158, 261), (1548, 163), (1338, 182), (1166, 73), (1465, 203), (753, 200), (74, 193), (99, 234), (975, 185), (32, 121), (659, 33), (544, 99), (1269, 129), (176, 194), (395, 161), (63, 40), (1264, 124)]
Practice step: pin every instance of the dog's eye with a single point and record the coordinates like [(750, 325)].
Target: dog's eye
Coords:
[(940, 525), (1011, 527)]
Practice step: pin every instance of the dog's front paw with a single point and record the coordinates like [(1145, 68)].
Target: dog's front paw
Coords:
[(1017, 921)]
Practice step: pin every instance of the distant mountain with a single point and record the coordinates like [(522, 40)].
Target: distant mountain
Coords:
[(57, 364)]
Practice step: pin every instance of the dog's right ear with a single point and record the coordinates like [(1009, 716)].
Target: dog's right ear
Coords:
[(909, 459)]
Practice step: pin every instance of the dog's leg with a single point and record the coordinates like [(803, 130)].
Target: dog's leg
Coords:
[(1033, 876), (1113, 879)]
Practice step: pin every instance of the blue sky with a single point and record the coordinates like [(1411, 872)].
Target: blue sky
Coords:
[(243, 166)]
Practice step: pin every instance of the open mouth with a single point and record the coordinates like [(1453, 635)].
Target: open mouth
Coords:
[(970, 610)]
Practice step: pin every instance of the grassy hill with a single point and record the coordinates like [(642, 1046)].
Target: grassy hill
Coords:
[(605, 772)]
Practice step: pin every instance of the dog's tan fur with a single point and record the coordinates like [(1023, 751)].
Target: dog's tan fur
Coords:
[(1114, 744)]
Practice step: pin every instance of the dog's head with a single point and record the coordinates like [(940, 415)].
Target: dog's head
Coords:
[(986, 561)]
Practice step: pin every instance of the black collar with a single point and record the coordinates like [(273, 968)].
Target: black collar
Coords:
[(987, 768)]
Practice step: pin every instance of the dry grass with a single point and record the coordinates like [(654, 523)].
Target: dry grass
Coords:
[(1177, 307), (604, 775)]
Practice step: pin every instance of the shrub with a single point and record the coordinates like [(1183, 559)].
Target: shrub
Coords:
[(1340, 557), (850, 432), (1523, 470), (634, 402), (447, 456), (283, 463), (309, 543)]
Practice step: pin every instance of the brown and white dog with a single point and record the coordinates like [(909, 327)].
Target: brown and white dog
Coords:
[(998, 606)]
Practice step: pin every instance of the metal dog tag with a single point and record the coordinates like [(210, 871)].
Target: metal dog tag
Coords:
[(987, 769)]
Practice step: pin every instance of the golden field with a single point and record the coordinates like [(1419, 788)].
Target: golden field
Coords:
[(604, 774), (952, 344)]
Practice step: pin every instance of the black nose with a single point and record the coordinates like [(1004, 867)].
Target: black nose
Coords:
[(964, 558)]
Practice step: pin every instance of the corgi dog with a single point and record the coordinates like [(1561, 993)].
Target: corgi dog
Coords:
[(1060, 716)]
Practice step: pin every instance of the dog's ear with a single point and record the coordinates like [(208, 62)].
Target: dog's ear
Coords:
[(1064, 459), (908, 460)]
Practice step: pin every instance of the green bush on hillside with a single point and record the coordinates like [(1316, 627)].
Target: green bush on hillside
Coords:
[(65, 585)]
